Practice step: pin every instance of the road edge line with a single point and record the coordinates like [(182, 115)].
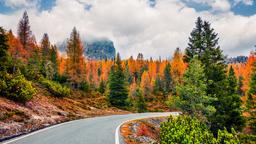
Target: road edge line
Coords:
[(45, 128), (37, 131), (117, 139)]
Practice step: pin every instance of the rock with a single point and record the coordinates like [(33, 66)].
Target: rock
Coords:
[(63, 113), (92, 108)]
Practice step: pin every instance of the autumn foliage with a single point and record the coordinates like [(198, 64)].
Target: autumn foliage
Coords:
[(132, 82)]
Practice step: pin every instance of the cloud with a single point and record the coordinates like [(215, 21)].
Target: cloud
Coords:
[(135, 26), (221, 5)]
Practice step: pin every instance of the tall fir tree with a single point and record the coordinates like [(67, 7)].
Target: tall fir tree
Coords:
[(24, 32), (102, 86), (75, 59), (55, 61), (195, 45), (158, 85), (34, 64), (229, 111), (45, 52), (193, 98), (168, 84), (240, 86), (4, 54), (140, 103), (45, 46), (203, 43), (251, 100), (117, 85), (127, 73)]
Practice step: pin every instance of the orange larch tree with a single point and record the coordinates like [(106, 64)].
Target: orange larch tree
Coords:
[(75, 59), (178, 67)]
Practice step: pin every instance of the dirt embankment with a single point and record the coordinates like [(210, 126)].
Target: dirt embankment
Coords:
[(45, 110)]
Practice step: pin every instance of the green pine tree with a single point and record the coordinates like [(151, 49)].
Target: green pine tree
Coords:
[(251, 101), (55, 61), (157, 88), (5, 58), (127, 73), (45, 52), (167, 80), (102, 87), (117, 85), (195, 45), (34, 65), (203, 43), (140, 103), (240, 86), (193, 98), (229, 109)]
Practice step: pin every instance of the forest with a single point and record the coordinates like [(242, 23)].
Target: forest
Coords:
[(217, 99)]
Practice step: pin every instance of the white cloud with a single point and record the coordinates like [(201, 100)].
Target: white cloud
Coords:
[(221, 5), (135, 27)]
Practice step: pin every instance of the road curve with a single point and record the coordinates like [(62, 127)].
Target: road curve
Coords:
[(98, 130)]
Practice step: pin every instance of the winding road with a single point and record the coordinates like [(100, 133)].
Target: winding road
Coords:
[(98, 130)]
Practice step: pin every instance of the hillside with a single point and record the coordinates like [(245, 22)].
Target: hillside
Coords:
[(44, 110)]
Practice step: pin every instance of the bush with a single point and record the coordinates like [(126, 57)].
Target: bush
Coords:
[(247, 138), (186, 130), (84, 86), (55, 88), (16, 87)]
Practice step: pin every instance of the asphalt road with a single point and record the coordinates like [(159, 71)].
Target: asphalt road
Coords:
[(98, 130)]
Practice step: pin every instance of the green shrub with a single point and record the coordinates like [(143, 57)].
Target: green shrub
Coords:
[(84, 86), (11, 113), (188, 130), (16, 87), (247, 138), (55, 88)]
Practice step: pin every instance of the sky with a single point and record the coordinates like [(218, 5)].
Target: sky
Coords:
[(152, 27)]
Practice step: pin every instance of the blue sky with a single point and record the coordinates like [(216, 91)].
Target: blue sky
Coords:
[(153, 27), (42, 5), (239, 8)]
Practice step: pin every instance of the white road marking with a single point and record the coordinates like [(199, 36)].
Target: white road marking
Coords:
[(37, 131), (117, 139)]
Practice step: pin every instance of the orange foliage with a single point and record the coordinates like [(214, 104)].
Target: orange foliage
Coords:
[(145, 84), (15, 48), (62, 65), (178, 67), (245, 70)]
